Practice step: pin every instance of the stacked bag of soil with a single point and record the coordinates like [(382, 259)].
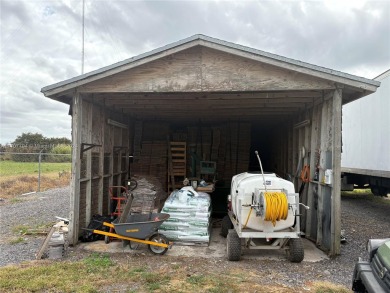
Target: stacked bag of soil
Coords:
[(189, 216)]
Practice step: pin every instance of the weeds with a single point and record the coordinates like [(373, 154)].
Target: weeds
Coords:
[(11, 187), (326, 287), (196, 280), (365, 194), (17, 240), (98, 262)]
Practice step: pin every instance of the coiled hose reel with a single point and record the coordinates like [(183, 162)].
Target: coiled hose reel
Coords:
[(273, 206)]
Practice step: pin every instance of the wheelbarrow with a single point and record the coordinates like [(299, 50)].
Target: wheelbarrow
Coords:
[(140, 228)]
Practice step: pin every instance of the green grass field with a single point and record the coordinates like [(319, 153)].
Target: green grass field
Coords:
[(10, 168)]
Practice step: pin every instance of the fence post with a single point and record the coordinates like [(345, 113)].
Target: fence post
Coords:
[(39, 171)]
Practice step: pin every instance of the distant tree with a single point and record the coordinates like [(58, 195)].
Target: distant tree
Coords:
[(34, 143), (29, 139), (58, 141)]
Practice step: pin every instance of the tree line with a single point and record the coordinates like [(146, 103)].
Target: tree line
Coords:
[(28, 143)]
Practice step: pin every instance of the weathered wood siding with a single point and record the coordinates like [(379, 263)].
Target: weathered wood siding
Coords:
[(204, 69), (97, 168)]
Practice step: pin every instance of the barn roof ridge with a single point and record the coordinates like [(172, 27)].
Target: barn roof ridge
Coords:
[(200, 38)]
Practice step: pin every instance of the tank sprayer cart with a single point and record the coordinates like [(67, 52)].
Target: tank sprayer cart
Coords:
[(140, 228), (263, 214)]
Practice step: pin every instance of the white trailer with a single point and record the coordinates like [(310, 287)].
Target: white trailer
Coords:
[(365, 158)]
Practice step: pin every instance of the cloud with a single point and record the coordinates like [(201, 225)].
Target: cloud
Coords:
[(41, 42)]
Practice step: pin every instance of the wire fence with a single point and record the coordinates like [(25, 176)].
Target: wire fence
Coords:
[(30, 171)]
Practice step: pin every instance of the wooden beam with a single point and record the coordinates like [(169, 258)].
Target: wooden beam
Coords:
[(315, 131), (323, 142), (336, 167), (300, 96), (87, 137), (75, 179)]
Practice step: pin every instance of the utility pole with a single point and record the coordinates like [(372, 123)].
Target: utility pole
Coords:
[(82, 40)]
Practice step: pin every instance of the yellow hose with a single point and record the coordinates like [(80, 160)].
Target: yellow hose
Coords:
[(247, 219), (276, 206)]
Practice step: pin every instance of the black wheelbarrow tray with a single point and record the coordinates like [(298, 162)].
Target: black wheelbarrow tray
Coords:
[(140, 228)]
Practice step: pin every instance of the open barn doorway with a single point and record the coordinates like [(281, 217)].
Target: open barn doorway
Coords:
[(261, 141)]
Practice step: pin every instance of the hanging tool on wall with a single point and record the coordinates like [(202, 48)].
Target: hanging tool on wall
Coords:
[(305, 177)]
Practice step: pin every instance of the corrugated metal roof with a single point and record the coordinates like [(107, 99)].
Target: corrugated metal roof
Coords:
[(204, 38)]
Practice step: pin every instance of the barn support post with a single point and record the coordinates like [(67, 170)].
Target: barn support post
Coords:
[(336, 167), (75, 181), (101, 161), (87, 135), (313, 185)]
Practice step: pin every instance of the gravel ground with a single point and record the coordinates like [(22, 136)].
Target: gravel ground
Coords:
[(362, 219)]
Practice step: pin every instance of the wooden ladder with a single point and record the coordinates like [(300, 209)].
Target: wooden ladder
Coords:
[(177, 164)]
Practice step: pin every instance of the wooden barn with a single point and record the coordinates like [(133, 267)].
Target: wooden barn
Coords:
[(219, 102)]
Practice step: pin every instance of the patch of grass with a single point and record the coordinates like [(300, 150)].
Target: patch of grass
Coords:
[(365, 194), (20, 229), (59, 277), (98, 262), (154, 281), (196, 280), (11, 168), (16, 200), (16, 240), (100, 273), (29, 230), (327, 287)]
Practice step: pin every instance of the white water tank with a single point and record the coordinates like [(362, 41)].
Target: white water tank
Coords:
[(243, 189)]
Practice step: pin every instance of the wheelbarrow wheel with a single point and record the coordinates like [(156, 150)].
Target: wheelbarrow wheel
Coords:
[(158, 238), (133, 245)]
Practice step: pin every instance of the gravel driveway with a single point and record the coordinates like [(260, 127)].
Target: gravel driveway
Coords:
[(362, 219)]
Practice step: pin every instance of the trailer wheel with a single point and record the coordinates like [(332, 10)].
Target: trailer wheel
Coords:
[(233, 246), (226, 224), (295, 253), (158, 238), (378, 190)]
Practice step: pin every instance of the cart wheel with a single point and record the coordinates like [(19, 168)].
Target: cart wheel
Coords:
[(133, 245), (233, 246), (158, 238), (106, 239), (226, 224), (295, 253), (125, 243)]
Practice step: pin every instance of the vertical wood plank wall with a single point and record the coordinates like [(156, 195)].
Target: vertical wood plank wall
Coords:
[(94, 170), (322, 141)]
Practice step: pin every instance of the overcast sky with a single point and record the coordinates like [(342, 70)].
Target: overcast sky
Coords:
[(41, 42)]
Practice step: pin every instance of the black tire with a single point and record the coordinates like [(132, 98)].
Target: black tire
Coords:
[(106, 239), (125, 243), (378, 190), (233, 246), (159, 238), (226, 224), (295, 253), (133, 245)]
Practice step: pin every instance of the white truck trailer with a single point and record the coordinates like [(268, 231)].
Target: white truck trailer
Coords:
[(365, 158)]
